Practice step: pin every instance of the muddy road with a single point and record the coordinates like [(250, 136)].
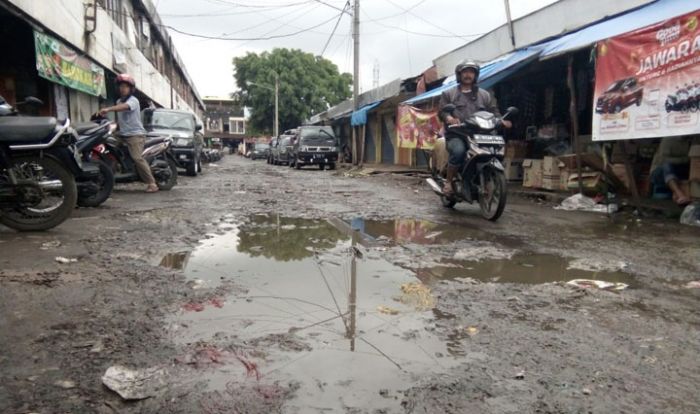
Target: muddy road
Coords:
[(261, 289)]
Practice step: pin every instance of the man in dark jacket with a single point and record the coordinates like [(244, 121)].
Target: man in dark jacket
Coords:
[(467, 99)]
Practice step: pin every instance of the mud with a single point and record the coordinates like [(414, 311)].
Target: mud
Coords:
[(239, 285)]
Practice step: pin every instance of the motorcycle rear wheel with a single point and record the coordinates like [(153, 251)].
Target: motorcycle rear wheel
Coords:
[(493, 194), (32, 218)]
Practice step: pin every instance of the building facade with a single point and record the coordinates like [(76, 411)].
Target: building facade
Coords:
[(68, 53), (224, 119)]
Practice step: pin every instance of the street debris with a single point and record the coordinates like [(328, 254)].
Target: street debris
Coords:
[(586, 391), (65, 384), (520, 375), (418, 295), (590, 264), (600, 284), (134, 384), (199, 306), (387, 310), (50, 245), (65, 260), (695, 284), (580, 202), (472, 330), (691, 215)]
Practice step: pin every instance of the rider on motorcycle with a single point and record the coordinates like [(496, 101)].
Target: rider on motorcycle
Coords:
[(468, 98), (131, 129)]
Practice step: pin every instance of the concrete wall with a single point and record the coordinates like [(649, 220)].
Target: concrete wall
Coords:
[(557, 18), (65, 19)]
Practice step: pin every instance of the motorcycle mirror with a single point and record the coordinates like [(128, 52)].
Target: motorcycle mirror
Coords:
[(30, 100), (449, 108), (513, 110)]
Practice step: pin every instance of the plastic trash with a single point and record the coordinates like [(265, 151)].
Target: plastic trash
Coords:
[(691, 215), (134, 384), (65, 260), (387, 310), (600, 284), (579, 202)]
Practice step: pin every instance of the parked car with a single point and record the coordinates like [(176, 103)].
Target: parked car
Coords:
[(314, 145), (273, 144), (260, 151), (620, 95), (280, 153), (185, 131)]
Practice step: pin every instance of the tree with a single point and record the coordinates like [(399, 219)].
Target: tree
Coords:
[(308, 85)]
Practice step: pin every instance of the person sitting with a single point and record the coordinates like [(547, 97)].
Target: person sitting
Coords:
[(670, 165)]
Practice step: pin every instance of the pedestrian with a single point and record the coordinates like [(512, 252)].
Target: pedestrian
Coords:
[(131, 129), (466, 98)]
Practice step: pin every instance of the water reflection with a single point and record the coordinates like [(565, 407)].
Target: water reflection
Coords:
[(285, 239)]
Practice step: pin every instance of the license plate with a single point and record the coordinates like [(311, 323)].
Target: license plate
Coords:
[(318, 155), (489, 139), (183, 156)]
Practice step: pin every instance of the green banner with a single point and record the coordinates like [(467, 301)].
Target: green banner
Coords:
[(58, 63)]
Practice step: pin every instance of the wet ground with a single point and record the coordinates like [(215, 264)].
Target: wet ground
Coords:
[(260, 289)]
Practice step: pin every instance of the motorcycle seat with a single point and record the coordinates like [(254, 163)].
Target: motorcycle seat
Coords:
[(86, 128), (23, 129), (155, 141)]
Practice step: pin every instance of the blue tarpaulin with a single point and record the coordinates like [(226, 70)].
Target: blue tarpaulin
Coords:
[(359, 117), (655, 12), (491, 72)]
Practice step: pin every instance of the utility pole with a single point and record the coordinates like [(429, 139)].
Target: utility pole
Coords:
[(277, 105), (356, 76), (510, 24)]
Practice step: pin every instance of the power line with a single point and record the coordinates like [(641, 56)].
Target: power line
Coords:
[(402, 29), (426, 21), (333, 6), (347, 3), (222, 13)]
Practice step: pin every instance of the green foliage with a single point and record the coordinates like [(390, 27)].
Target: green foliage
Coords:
[(308, 85)]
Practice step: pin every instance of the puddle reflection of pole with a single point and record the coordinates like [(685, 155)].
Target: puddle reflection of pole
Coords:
[(352, 302)]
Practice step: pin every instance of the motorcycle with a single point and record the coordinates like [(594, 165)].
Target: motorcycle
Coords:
[(482, 178), (157, 154), (38, 158), (94, 190)]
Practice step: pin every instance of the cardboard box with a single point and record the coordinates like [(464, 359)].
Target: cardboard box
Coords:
[(513, 169), (694, 155), (695, 189), (516, 150), (532, 173), (551, 166), (593, 182)]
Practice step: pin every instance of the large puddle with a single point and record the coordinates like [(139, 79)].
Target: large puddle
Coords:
[(297, 302)]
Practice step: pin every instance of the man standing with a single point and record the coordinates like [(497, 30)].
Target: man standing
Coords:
[(131, 129), (467, 98)]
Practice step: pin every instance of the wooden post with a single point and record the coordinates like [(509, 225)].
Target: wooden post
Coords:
[(573, 114)]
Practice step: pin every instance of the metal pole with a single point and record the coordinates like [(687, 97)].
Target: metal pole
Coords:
[(356, 72), (573, 113), (277, 108), (352, 302), (172, 65), (510, 23)]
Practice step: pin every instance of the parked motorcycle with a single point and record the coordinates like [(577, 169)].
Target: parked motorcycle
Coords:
[(37, 159), (93, 136), (157, 153), (482, 178)]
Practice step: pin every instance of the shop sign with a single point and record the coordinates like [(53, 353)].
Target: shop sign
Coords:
[(417, 128), (60, 64), (648, 82)]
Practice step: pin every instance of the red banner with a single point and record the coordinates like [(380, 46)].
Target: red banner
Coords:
[(417, 128), (648, 82)]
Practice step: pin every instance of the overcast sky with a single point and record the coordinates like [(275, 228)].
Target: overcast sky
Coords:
[(399, 37)]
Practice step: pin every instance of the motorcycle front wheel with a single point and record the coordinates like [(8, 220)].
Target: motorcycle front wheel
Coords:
[(105, 183), (492, 193), (50, 194), (167, 180)]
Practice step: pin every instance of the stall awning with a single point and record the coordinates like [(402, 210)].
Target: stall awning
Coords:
[(654, 12), (491, 72), (359, 117)]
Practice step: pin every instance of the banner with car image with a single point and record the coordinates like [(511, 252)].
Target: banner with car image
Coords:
[(648, 82)]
